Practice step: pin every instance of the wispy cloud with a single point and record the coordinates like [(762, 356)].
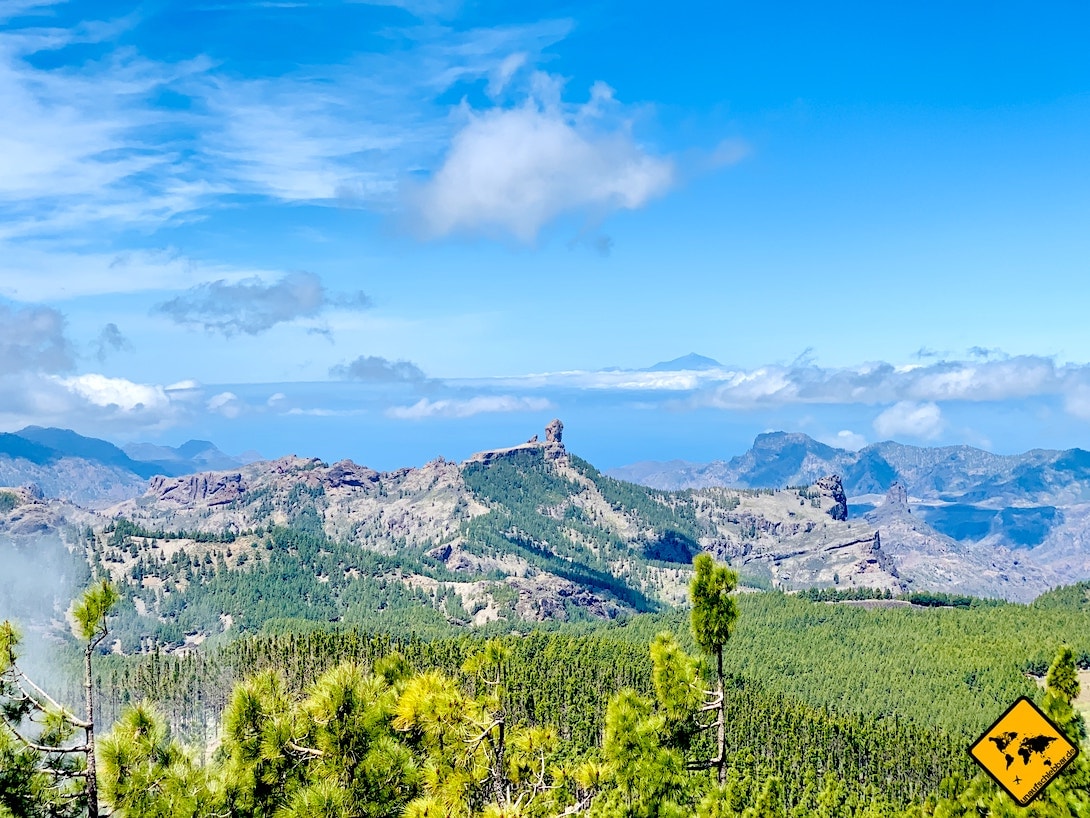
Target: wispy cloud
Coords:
[(121, 141), (350, 134), (89, 145), (252, 306), (462, 408), (31, 273)]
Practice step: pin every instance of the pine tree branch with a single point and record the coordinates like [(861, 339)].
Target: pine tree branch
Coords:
[(307, 751), (703, 764), (68, 716), (44, 748)]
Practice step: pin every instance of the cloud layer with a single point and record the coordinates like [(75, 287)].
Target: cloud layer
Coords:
[(463, 408)]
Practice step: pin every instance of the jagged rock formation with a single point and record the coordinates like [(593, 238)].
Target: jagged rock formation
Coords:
[(552, 448), (554, 431), (212, 489), (833, 488), (897, 497)]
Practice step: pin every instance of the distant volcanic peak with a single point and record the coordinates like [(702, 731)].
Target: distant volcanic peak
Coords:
[(692, 361), (796, 444), (777, 440)]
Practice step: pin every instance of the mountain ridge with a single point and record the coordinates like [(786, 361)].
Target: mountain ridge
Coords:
[(94, 472)]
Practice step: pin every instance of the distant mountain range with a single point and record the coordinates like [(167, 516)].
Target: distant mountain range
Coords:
[(1019, 501), (89, 471), (203, 543)]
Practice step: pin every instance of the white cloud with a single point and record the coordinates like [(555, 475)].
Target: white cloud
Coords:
[(183, 386), (348, 134), (227, 404), (919, 420), (116, 393), (513, 170), (878, 383), (452, 408), (627, 380), (16, 8), (95, 145), (93, 403)]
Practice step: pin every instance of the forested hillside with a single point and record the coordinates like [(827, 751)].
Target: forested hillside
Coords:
[(339, 723)]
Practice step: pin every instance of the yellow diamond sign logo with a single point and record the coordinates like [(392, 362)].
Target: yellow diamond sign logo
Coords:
[(1023, 751)]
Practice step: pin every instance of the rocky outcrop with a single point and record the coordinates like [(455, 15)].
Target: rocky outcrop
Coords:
[(211, 489), (551, 449), (549, 597), (554, 431), (833, 488), (897, 497), (347, 473), (754, 524), (554, 435), (25, 513)]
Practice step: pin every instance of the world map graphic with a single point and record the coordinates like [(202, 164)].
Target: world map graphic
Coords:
[(1026, 747)]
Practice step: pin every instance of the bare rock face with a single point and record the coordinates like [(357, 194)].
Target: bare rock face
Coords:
[(25, 513), (549, 597), (210, 488), (897, 497), (347, 473), (554, 432), (554, 447), (833, 488)]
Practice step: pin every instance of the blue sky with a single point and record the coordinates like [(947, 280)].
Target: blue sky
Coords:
[(396, 230)]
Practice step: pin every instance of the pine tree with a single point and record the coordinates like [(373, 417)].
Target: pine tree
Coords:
[(714, 614), (40, 725), (146, 774)]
